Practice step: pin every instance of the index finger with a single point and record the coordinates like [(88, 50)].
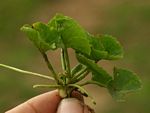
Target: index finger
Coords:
[(44, 103)]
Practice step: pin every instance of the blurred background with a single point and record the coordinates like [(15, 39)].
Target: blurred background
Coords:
[(127, 20)]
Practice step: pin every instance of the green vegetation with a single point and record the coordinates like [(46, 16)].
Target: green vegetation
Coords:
[(63, 32)]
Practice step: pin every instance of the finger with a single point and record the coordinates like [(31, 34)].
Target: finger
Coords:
[(45, 103), (72, 105)]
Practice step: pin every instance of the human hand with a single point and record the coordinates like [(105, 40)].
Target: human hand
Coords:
[(50, 103)]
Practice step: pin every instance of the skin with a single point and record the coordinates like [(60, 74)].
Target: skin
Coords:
[(72, 105), (50, 102)]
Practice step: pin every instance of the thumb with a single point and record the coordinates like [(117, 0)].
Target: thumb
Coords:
[(72, 105)]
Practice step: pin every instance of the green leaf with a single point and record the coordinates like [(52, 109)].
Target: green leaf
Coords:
[(39, 36), (97, 50), (31, 33), (47, 34), (71, 33), (98, 73), (124, 81), (105, 47), (112, 46), (59, 32)]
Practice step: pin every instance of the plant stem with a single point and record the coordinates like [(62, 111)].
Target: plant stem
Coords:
[(50, 66), (63, 59), (80, 73), (76, 69), (92, 82), (44, 85), (27, 72), (67, 63), (83, 73)]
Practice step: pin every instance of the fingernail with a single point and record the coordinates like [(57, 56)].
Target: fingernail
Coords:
[(71, 105)]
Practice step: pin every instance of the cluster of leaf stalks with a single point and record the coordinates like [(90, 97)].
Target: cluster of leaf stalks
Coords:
[(63, 32)]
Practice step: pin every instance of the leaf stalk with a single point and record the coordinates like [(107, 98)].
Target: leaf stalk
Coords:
[(50, 67), (44, 85), (27, 72)]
